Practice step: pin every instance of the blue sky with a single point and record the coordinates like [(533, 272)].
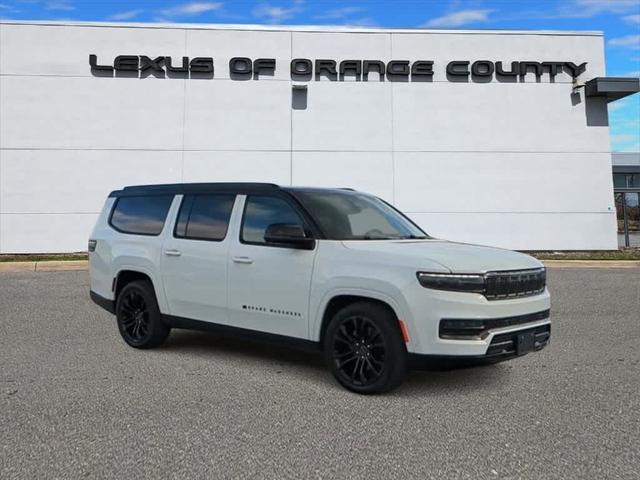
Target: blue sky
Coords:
[(618, 19)]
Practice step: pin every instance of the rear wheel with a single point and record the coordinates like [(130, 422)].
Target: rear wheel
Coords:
[(138, 316), (364, 348)]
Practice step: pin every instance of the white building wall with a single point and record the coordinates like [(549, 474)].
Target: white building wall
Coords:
[(518, 165)]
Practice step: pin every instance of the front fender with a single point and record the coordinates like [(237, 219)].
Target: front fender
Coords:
[(375, 289)]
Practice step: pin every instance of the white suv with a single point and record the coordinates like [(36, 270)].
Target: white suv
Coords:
[(336, 270)]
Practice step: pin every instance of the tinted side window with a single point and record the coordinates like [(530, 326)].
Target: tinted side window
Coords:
[(204, 217), (141, 215), (260, 212)]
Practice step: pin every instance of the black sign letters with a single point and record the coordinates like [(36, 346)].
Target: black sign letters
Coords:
[(306, 69)]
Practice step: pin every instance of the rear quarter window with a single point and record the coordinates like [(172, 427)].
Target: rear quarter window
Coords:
[(144, 215)]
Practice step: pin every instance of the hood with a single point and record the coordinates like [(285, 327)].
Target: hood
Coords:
[(457, 257)]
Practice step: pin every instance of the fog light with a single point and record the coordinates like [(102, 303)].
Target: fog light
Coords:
[(460, 329)]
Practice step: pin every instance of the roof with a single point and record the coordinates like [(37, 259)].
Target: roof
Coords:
[(299, 28), (626, 158), (190, 188), (612, 88), (215, 187), (626, 162)]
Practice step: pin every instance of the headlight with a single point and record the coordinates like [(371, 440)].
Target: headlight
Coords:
[(455, 282), (497, 285)]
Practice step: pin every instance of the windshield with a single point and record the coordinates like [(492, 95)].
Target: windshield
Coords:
[(356, 216)]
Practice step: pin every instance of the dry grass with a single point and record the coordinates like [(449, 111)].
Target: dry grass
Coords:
[(62, 257), (622, 254)]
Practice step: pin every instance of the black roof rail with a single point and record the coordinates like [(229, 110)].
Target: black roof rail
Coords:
[(189, 188)]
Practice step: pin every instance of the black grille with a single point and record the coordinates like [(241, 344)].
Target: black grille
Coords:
[(473, 329), (504, 344), (514, 284)]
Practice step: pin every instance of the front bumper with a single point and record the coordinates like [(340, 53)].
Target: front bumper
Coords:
[(503, 346), (502, 320)]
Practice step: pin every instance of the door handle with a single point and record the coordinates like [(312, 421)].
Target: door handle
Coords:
[(242, 259), (172, 253)]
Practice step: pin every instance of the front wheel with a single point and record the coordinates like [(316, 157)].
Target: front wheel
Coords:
[(364, 348), (138, 316)]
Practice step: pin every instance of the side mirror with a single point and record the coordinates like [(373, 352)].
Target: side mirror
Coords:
[(288, 235)]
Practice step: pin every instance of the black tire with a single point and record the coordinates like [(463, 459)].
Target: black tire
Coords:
[(138, 316), (364, 348)]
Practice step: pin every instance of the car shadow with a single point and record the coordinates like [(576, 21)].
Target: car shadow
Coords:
[(432, 379), (207, 344), (458, 380)]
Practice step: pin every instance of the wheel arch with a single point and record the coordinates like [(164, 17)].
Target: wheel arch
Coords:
[(128, 274), (338, 301)]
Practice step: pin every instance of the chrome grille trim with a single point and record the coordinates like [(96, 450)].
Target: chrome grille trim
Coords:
[(503, 285)]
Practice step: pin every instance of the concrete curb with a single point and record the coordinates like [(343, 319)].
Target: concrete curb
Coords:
[(17, 266), (68, 265), (46, 266), (591, 263)]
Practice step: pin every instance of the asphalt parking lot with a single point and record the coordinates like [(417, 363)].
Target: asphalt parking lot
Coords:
[(75, 401)]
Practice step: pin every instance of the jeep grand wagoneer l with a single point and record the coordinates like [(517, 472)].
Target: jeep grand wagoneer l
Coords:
[(333, 269)]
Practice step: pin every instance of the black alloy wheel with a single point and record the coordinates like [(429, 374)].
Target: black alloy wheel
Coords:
[(134, 316), (359, 351), (138, 316), (364, 348)]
